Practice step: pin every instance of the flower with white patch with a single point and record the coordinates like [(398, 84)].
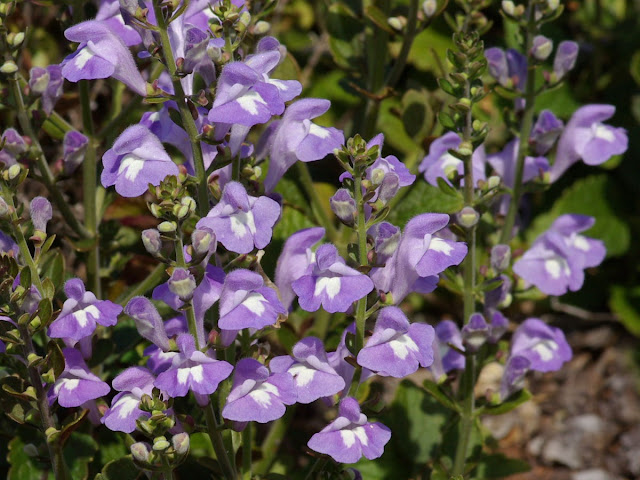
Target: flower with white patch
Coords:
[(447, 346), (245, 302), (587, 138), (396, 347), (439, 163), (556, 261), (351, 435), (76, 384), (132, 384), (136, 160), (544, 346), (257, 395), (192, 370), (241, 221), (81, 312), (313, 376), (331, 283), (13, 147), (101, 54)]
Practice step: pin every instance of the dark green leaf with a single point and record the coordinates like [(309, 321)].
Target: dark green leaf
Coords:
[(625, 303), (378, 17), (53, 268), (446, 120), (423, 198), (121, 469), (56, 359), (417, 116), (439, 394), (509, 404)]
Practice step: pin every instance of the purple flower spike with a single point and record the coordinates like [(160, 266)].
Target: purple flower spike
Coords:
[(295, 138), (439, 163), (241, 221), (557, 258), (545, 132), (257, 395), (513, 376), (74, 148), (445, 357), (331, 283), (475, 332), (544, 346), (192, 370), (245, 302), (41, 212), (136, 160), (81, 312), (313, 376), (351, 436), (565, 58), (48, 83), (101, 54), (295, 261), (148, 321), (76, 385), (13, 145), (396, 348), (132, 384), (586, 137)]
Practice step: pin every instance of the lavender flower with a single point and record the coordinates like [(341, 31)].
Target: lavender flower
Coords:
[(76, 384), (148, 321), (241, 221), (257, 395), (545, 132), (13, 146), (475, 332), (396, 347), (556, 261), (81, 312), (447, 358), (513, 376), (295, 261), (48, 83), (101, 54), (586, 138), (313, 376), (41, 212), (565, 58), (351, 436), (331, 283), (74, 148), (344, 206), (439, 163), (508, 68), (132, 384), (136, 160)]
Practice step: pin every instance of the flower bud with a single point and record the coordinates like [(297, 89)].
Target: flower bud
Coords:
[(152, 241), (468, 217), (553, 5), (245, 18), (140, 452), (475, 332), (377, 176), (9, 67), (167, 227), (74, 148), (499, 325), (180, 443), (148, 321), (182, 283), (397, 23), (41, 212), (508, 7), (17, 40), (203, 241), (344, 206), (261, 27), (545, 132), (500, 257), (493, 182), (160, 444), (4, 209), (541, 48), (565, 58), (389, 188), (429, 7)]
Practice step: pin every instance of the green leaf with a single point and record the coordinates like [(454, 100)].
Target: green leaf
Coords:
[(634, 66), (78, 452), (417, 116), (428, 51), (440, 395), (53, 268), (625, 303), (423, 198), (121, 469), (509, 404), (499, 466), (56, 358), (378, 17), (23, 467), (599, 197)]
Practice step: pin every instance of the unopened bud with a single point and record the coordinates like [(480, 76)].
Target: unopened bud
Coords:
[(429, 7), (500, 257), (9, 67), (344, 206), (202, 241), (167, 227), (4, 209), (508, 7), (151, 241), (160, 444), (17, 39), (541, 48), (140, 452), (377, 176), (389, 188), (245, 18), (493, 182), (180, 443), (553, 4), (30, 450), (468, 217), (397, 23), (182, 283), (476, 332), (261, 28), (465, 148), (41, 212)]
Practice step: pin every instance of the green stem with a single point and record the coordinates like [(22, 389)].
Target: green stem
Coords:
[(361, 306), (467, 416), (150, 281), (272, 441), (188, 123), (407, 42), (525, 129), (317, 204), (89, 184)]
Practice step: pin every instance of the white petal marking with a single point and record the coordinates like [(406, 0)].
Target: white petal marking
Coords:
[(81, 59), (249, 102), (329, 284), (362, 435), (241, 222), (81, 315), (262, 394), (402, 345), (441, 246), (255, 303), (69, 384), (545, 349), (348, 437), (196, 373), (603, 132), (301, 374), (318, 131), (130, 166), (183, 375), (126, 405), (581, 243), (556, 267)]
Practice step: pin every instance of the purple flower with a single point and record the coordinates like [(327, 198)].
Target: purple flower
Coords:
[(386, 239), (565, 58), (136, 160), (241, 221), (586, 137), (101, 54), (41, 213), (8, 246), (13, 146), (48, 83), (343, 206), (76, 385), (132, 384), (396, 347), (81, 312), (74, 148), (475, 332), (313, 376), (257, 395), (331, 283), (508, 68), (351, 436), (340, 365), (192, 370), (513, 376), (447, 358), (246, 302), (439, 163), (545, 347), (556, 261), (148, 321), (389, 165), (109, 14), (419, 258), (295, 138), (296, 260), (545, 132)]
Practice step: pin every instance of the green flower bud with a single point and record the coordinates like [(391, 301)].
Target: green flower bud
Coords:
[(508, 7), (160, 444), (9, 67), (493, 182), (429, 7), (180, 443), (18, 38), (261, 28), (397, 23), (167, 227), (140, 452), (468, 217)]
